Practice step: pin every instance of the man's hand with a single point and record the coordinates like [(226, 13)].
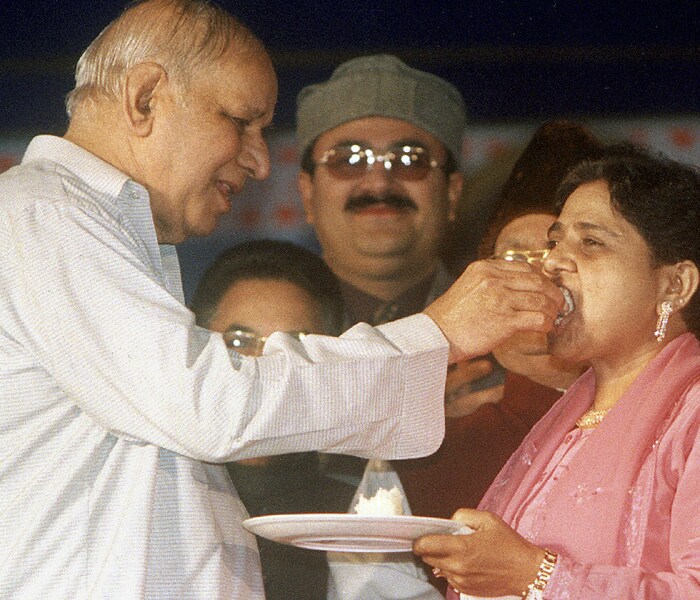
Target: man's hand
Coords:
[(492, 300)]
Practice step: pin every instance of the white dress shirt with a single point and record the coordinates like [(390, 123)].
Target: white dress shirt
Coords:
[(114, 406)]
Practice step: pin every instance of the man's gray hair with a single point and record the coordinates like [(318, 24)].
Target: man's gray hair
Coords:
[(179, 35)]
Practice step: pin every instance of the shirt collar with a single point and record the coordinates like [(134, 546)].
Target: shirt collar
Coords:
[(95, 172), (363, 307), (125, 195)]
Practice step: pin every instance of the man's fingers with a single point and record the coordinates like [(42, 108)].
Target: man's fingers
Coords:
[(521, 276), (509, 265), (466, 371), (518, 277), (537, 283), (532, 302), (492, 301)]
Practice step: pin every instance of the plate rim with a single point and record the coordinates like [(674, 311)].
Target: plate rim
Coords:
[(314, 517), (394, 544)]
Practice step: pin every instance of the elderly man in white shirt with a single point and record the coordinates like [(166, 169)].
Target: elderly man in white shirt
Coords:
[(115, 406)]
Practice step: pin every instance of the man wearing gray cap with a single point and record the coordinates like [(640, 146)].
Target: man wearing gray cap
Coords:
[(380, 144)]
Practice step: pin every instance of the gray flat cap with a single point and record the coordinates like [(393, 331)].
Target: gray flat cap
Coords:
[(382, 85)]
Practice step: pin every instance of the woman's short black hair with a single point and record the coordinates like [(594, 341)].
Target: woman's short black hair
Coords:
[(270, 259), (658, 196)]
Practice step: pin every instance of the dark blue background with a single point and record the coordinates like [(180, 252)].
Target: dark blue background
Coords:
[(512, 60)]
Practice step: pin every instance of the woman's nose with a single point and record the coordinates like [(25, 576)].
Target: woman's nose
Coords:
[(557, 260)]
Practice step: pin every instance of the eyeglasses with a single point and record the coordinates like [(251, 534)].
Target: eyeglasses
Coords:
[(250, 344), (528, 256), (405, 162)]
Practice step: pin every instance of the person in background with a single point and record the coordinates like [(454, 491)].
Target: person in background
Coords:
[(602, 498), (481, 436), (380, 144), (249, 292)]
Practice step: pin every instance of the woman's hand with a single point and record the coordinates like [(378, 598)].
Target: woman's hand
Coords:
[(493, 561)]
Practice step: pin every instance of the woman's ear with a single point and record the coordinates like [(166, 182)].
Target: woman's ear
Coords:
[(143, 87), (682, 283)]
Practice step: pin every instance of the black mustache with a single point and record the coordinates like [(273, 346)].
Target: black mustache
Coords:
[(392, 200)]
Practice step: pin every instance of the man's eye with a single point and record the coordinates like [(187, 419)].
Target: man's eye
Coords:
[(239, 122), (590, 242)]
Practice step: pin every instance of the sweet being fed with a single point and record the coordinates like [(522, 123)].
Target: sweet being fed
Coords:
[(384, 503)]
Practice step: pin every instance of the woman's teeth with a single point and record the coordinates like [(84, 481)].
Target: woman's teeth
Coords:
[(568, 307)]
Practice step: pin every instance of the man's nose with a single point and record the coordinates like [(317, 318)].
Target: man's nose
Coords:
[(255, 156), (377, 176)]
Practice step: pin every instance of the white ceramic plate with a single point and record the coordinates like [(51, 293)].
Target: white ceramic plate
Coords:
[(349, 533)]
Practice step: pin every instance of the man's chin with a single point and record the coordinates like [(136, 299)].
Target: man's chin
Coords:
[(381, 245), (202, 228)]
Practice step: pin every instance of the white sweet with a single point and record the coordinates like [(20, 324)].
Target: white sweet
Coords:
[(568, 307), (384, 503)]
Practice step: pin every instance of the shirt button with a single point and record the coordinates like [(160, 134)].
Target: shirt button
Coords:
[(134, 195)]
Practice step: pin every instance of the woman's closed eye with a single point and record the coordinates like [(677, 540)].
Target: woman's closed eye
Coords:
[(591, 242)]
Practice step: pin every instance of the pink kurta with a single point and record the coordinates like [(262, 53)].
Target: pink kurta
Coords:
[(624, 512)]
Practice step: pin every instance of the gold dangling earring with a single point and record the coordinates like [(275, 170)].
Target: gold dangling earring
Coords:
[(665, 313)]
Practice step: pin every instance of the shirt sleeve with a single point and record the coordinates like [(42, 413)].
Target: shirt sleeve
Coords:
[(92, 308), (669, 568)]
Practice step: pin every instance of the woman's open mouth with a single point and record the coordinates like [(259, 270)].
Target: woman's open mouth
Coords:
[(568, 307)]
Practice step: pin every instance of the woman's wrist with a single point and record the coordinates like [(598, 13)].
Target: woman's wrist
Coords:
[(535, 590)]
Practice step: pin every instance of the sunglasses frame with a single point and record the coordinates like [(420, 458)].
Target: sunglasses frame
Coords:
[(365, 158)]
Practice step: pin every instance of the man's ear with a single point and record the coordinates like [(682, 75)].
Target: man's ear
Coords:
[(143, 88), (305, 185), (455, 183)]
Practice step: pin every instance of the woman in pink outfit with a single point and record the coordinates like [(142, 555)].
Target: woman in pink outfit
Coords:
[(602, 499)]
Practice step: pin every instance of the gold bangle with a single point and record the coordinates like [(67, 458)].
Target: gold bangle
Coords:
[(535, 589)]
